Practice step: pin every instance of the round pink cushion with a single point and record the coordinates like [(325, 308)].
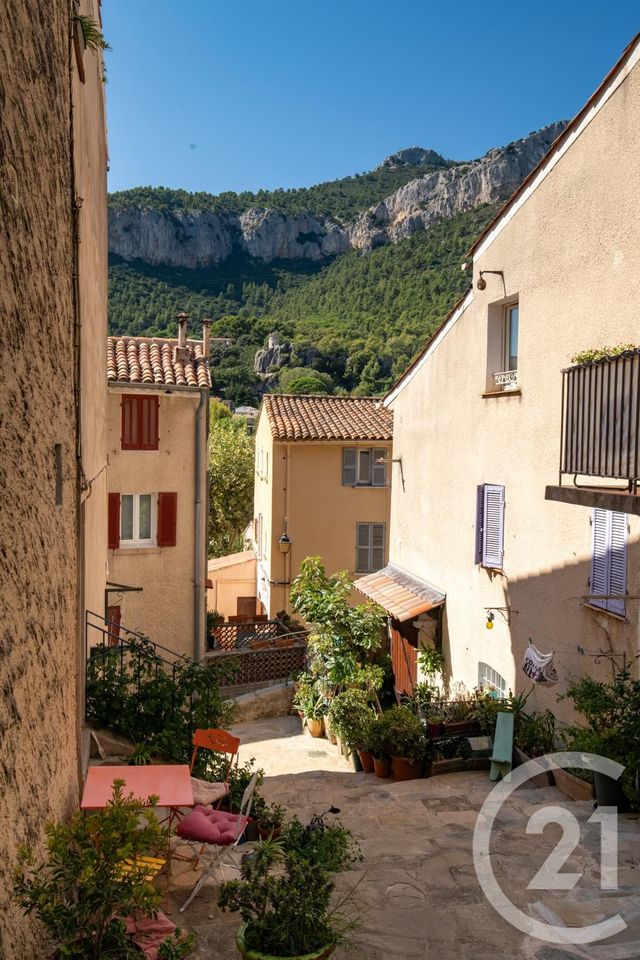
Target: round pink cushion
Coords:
[(210, 826)]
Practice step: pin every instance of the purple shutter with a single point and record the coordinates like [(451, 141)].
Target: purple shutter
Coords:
[(600, 559), (617, 561), (479, 521), (493, 527)]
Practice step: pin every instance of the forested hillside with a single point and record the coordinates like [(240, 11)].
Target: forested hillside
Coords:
[(341, 199), (359, 318)]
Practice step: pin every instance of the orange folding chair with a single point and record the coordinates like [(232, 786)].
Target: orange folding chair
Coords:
[(220, 742)]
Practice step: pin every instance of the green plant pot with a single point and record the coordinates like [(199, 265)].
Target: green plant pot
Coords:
[(406, 769), (256, 955)]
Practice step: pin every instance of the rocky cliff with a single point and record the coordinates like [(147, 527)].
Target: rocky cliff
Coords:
[(200, 238)]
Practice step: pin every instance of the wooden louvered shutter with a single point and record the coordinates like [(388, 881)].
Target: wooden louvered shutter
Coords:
[(479, 522), (113, 524), (363, 547), (349, 467), (377, 546), (618, 561), (148, 422), (379, 470), (167, 519), (493, 526), (600, 559)]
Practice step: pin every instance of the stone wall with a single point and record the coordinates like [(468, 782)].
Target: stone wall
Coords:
[(39, 585)]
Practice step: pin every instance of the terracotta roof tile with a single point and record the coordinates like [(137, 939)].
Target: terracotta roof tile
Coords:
[(399, 593), (327, 418), (153, 360)]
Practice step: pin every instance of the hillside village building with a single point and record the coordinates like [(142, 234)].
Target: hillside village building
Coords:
[(478, 424), (53, 530), (158, 409), (323, 474)]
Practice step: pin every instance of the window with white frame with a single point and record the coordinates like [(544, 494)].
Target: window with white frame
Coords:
[(490, 681), (503, 347), (364, 467), (137, 520), (490, 525), (608, 582), (370, 544)]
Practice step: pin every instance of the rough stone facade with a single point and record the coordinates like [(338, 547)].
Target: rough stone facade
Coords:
[(39, 528)]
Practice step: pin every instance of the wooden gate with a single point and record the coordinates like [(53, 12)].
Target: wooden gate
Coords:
[(404, 659)]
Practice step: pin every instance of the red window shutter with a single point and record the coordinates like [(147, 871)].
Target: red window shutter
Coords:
[(140, 423), (114, 521), (167, 519), (130, 425), (148, 423)]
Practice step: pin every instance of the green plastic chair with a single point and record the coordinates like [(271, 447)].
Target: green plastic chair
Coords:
[(502, 755)]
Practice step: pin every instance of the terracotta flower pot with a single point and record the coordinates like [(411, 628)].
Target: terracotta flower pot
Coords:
[(267, 832), (573, 787), (366, 759), (382, 768), (315, 727), (330, 735), (256, 955), (406, 769)]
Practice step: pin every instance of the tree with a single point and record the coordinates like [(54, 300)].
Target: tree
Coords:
[(231, 472), (307, 385)]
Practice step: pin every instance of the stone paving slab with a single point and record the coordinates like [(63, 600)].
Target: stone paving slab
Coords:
[(418, 895)]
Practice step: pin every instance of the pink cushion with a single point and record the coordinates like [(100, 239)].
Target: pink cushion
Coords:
[(149, 933), (211, 826)]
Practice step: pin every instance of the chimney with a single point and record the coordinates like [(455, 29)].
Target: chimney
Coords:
[(206, 324), (182, 330)]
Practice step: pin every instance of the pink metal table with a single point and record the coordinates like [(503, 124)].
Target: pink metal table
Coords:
[(170, 783)]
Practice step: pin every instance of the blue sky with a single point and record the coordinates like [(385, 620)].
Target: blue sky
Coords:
[(241, 94)]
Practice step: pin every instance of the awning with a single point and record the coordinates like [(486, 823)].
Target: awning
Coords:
[(400, 594)]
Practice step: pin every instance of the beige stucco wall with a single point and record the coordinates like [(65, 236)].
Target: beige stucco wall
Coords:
[(571, 255), (40, 586), (304, 484), (229, 583), (164, 611)]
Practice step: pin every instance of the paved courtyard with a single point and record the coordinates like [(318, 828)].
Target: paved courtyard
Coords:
[(418, 894)]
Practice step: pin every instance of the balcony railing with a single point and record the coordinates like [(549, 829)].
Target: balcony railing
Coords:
[(506, 380), (601, 419)]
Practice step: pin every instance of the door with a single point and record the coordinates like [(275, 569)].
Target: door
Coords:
[(246, 607), (404, 660)]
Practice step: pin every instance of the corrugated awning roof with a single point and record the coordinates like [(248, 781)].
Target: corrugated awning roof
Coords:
[(399, 593)]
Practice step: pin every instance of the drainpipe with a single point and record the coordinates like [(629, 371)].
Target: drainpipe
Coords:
[(200, 516), (287, 559)]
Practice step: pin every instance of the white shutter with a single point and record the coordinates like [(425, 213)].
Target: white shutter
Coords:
[(377, 546), (479, 522), (600, 559), (349, 467), (493, 527), (618, 562), (379, 470), (363, 547)]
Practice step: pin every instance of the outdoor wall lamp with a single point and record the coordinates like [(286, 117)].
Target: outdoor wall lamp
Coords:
[(490, 618), (285, 544), (505, 613), (481, 283)]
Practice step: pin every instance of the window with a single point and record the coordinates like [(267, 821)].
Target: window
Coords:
[(259, 527), (490, 525), (370, 539), (137, 523), (142, 520), (362, 468), (511, 337), (502, 347), (609, 561), (139, 423), (491, 681)]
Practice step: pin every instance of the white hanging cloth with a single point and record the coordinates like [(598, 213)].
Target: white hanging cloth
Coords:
[(538, 666)]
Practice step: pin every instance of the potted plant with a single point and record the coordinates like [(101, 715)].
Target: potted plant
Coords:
[(379, 745), (610, 728), (435, 725), (286, 904), (315, 717), (304, 694), (406, 742), (534, 736), (72, 891), (271, 821), (449, 755), (351, 716)]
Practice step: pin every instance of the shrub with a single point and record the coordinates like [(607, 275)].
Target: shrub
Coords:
[(79, 892), (400, 734), (351, 717)]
